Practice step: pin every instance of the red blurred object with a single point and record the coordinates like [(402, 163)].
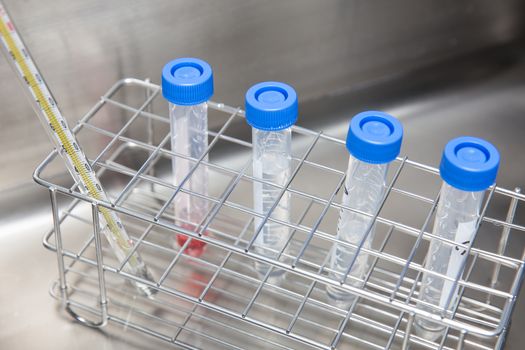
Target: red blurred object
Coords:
[(195, 247)]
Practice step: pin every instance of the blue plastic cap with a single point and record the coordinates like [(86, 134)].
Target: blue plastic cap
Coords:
[(271, 106), (469, 164), (374, 137), (187, 81)]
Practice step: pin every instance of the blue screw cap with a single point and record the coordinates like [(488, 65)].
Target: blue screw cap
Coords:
[(271, 106), (187, 81), (469, 164), (374, 137)]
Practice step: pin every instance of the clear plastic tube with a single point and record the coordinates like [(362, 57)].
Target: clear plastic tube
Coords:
[(189, 137), (271, 163), (364, 189), (456, 218)]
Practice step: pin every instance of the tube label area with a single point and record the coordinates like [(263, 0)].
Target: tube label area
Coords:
[(458, 255)]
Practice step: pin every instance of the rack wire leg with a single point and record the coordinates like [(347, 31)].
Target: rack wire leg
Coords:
[(58, 244), (503, 241), (408, 331), (461, 340), (101, 280), (100, 266), (149, 127)]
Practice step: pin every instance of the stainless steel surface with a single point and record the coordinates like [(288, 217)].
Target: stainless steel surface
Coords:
[(320, 47), (230, 291), (442, 66)]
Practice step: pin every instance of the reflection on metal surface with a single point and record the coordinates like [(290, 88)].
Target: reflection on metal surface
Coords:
[(320, 47)]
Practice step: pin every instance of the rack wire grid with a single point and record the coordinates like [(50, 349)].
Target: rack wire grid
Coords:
[(216, 299)]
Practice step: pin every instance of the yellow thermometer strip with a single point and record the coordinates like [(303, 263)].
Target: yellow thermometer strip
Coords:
[(63, 136)]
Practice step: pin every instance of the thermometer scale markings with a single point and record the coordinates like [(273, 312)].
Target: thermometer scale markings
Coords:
[(57, 124)]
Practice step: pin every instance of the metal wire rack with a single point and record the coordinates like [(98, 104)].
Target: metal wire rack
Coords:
[(216, 300)]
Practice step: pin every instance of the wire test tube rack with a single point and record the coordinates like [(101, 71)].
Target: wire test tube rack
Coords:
[(217, 300)]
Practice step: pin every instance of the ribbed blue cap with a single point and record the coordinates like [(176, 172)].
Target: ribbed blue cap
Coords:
[(374, 137), (469, 164), (187, 81), (271, 106)]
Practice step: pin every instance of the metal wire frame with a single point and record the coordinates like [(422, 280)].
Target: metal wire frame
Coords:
[(403, 302), (356, 318)]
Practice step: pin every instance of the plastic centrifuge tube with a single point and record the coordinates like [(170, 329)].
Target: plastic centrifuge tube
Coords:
[(468, 167), (187, 83), (373, 140), (271, 110)]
